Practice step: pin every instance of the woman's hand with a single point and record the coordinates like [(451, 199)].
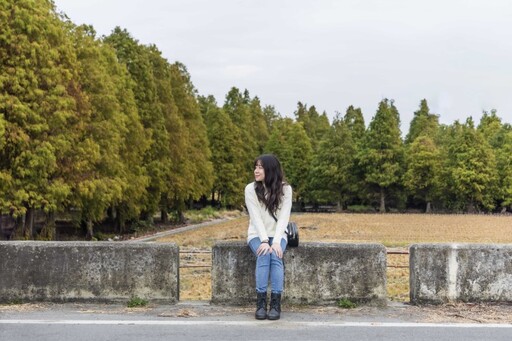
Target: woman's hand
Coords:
[(263, 249), (276, 247)]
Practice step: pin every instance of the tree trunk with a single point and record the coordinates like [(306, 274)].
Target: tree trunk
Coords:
[(164, 216), (119, 220), (90, 229), (17, 231), (49, 231), (111, 214), (429, 207), (181, 217), (28, 230), (339, 206), (382, 208), (213, 198), (470, 208), (147, 217)]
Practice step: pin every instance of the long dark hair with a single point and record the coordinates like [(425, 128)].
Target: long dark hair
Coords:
[(270, 190)]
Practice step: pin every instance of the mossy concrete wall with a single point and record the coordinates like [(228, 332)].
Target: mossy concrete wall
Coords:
[(315, 273), (442, 273), (88, 271)]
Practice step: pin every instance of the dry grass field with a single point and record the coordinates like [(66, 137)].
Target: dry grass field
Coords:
[(396, 231)]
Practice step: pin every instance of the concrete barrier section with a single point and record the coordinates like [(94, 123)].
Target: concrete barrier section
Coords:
[(88, 271), (315, 273), (460, 272)]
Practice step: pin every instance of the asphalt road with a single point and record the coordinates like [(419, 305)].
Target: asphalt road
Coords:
[(224, 329), (193, 322)]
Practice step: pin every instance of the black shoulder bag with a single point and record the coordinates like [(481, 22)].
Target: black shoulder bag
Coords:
[(292, 234)]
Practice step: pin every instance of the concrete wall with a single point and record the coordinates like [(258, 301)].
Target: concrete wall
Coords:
[(315, 273), (460, 272), (84, 271)]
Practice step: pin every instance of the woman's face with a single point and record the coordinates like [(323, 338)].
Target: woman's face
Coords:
[(259, 172)]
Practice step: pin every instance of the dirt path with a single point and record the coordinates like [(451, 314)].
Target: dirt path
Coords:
[(157, 235)]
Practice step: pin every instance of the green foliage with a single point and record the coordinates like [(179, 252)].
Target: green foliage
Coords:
[(136, 302), (345, 303), (207, 213), (271, 115), (469, 169), (291, 145), (101, 236), (140, 64), (382, 154), (259, 125), (3, 123), (332, 173), (423, 169), (423, 123), (360, 209), (196, 168), (499, 137), (355, 122), (108, 175), (15, 301), (37, 82), (315, 125), (142, 225), (227, 154), (237, 108)]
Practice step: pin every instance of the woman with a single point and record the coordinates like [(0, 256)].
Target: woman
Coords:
[(269, 202)]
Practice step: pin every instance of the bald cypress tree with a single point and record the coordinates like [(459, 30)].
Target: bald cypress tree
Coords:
[(5, 178), (114, 135), (173, 176), (290, 143), (315, 125), (499, 137), (423, 170), (382, 153), (332, 176), (237, 106), (139, 61), (2, 131), (270, 115), (259, 125), (38, 72), (354, 122), (422, 161), (197, 165), (226, 146), (469, 169), (423, 123)]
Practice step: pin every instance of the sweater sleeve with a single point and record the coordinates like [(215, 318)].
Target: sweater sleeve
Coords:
[(284, 214), (251, 201)]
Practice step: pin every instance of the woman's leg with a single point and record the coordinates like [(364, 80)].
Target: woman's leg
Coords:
[(277, 270), (277, 281), (262, 266)]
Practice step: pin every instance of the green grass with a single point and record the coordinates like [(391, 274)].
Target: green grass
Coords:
[(136, 302), (345, 303)]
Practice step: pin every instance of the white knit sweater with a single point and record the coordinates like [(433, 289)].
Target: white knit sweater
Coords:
[(261, 223)]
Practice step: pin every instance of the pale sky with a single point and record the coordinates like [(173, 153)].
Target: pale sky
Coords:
[(455, 53)]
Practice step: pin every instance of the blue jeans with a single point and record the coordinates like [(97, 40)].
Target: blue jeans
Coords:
[(266, 265)]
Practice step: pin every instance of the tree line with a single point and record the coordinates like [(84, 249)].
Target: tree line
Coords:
[(108, 128)]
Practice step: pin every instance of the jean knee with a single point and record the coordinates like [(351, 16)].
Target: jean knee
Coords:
[(264, 259), (274, 259)]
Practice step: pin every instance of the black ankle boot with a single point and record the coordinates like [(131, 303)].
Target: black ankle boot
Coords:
[(275, 307), (261, 306)]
